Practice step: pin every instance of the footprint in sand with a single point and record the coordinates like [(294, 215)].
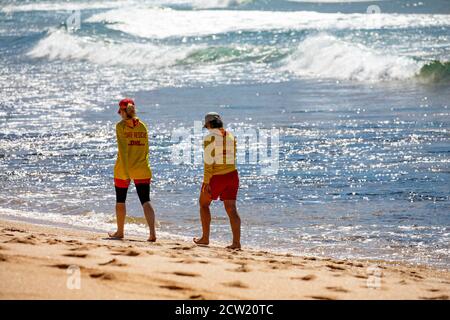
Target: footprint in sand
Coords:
[(102, 275), (185, 274), (442, 297), (64, 266), (235, 284), (113, 262), (191, 261), (53, 241), (26, 240), (12, 229), (76, 255), (353, 264), (187, 261), (416, 276), (197, 297), (73, 242), (322, 298), (172, 287), (183, 248), (3, 258), (310, 258), (308, 277), (129, 253), (333, 267), (82, 248), (242, 268), (337, 289)]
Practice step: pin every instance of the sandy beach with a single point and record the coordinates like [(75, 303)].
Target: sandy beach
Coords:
[(39, 262)]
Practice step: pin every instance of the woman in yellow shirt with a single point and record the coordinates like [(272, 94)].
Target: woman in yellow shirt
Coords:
[(220, 178), (132, 163)]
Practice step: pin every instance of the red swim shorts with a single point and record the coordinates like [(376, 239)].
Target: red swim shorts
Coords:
[(120, 183), (224, 186)]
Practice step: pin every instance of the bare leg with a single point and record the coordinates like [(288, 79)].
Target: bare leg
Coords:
[(235, 222), (205, 217), (150, 217), (121, 212)]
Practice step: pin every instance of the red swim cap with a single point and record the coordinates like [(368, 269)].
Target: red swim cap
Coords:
[(123, 104)]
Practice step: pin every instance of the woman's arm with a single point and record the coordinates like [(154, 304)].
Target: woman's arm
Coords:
[(123, 148)]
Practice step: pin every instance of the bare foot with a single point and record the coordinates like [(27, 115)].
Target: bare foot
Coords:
[(115, 235), (152, 239), (201, 241), (234, 246)]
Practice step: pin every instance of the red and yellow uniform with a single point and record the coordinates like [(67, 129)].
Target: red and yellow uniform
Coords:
[(132, 158), (220, 164)]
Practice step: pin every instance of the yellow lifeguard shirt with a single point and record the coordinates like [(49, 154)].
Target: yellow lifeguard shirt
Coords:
[(219, 154), (132, 157)]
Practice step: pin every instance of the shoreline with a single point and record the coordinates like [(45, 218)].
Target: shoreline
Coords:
[(183, 238), (37, 262)]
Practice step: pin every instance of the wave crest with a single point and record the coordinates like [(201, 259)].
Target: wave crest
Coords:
[(60, 45), (324, 56)]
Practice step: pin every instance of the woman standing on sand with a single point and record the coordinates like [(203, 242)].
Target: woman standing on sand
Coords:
[(132, 163), (220, 178)]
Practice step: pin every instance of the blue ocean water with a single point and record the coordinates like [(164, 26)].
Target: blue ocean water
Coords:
[(364, 155)]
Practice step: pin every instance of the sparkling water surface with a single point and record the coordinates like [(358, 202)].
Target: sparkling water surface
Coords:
[(364, 141)]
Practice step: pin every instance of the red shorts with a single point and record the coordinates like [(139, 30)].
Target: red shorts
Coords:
[(225, 186), (120, 183)]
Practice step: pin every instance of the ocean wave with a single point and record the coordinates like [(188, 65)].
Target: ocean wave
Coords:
[(435, 71), (234, 54), (318, 56), (61, 45), (325, 56), (159, 23)]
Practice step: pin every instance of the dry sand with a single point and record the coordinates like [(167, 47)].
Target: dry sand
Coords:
[(35, 263)]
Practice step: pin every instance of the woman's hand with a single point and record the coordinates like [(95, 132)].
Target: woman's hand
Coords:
[(206, 188)]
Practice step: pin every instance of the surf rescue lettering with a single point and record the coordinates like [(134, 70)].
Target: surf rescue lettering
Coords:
[(136, 135)]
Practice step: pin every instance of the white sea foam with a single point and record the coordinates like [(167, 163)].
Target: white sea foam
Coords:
[(324, 56), (164, 22), (60, 45), (318, 56), (85, 5), (93, 221), (63, 6), (204, 4)]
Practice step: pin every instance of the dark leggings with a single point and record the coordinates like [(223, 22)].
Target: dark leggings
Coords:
[(143, 191)]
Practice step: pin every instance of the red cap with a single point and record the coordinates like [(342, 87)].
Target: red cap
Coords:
[(123, 104)]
